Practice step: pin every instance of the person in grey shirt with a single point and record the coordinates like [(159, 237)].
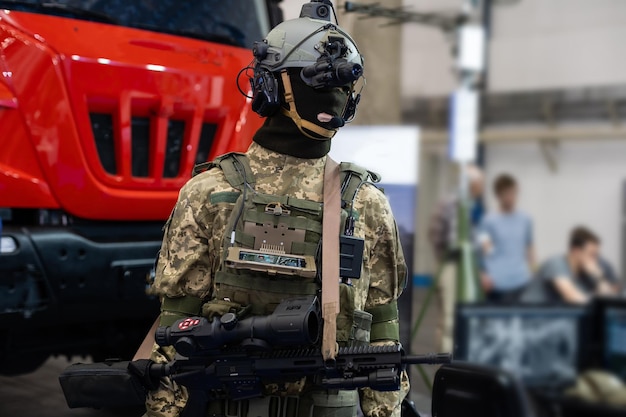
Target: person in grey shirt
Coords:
[(443, 236), (506, 242), (579, 274)]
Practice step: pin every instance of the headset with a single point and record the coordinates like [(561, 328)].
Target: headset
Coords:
[(265, 97), (265, 91)]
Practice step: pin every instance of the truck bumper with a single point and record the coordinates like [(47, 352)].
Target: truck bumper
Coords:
[(53, 271), (64, 293)]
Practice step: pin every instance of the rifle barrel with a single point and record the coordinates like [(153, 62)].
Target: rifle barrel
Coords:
[(429, 359)]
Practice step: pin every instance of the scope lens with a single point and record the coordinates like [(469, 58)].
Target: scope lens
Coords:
[(162, 336), (322, 11), (347, 73), (313, 328)]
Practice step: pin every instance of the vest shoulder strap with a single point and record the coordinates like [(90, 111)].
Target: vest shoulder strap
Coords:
[(234, 165), (236, 169), (353, 176)]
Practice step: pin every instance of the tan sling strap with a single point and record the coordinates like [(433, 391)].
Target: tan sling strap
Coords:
[(330, 257), (330, 267), (145, 349)]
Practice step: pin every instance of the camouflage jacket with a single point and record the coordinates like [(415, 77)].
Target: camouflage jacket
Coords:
[(191, 248)]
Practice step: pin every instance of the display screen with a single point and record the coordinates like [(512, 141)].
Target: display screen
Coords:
[(539, 345), (265, 258), (615, 341)]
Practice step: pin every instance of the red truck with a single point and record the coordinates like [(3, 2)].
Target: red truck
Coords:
[(105, 107)]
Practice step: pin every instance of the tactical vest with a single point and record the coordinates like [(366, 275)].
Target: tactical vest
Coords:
[(297, 224), (245, 291)]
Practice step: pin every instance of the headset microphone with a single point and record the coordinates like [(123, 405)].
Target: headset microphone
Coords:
[(336, 122)]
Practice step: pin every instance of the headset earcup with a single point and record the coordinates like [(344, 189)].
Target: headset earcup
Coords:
[(265, 97)]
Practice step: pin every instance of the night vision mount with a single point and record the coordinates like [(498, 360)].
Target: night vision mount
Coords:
[(331, 68), (318, 9)]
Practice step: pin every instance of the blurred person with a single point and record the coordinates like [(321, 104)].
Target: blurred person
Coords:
[(581, 273), (442, 234), (506, 241)]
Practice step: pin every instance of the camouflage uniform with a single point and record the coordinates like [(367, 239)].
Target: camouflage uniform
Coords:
[(191, 249)]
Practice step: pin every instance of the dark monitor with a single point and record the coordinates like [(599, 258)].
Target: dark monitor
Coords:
[(464, 389), (540, 345), (612, 316)]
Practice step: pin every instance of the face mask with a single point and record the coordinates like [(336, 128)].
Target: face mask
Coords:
[(317, 106), (311, 101)]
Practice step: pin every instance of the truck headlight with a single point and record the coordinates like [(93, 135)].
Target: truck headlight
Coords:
[(8, 244)]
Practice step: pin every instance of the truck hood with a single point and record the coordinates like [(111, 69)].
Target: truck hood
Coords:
[(118, 116)]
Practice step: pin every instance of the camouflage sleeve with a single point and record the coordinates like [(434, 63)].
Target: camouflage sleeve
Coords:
[(386, 265), (387, 272), (169, 399), (184, 268), (185, 261)]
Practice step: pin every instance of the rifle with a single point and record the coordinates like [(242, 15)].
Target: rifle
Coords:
[(241, 375), (233, 359)]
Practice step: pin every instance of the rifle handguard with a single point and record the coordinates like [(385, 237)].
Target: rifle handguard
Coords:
[(141, 369)]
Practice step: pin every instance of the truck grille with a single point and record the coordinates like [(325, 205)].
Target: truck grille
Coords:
[(174, 147), (107, 138), (140, 136), (207, 135), (102, 127)]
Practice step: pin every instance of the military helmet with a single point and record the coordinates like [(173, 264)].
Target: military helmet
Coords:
[(327, 56), (301, 43)]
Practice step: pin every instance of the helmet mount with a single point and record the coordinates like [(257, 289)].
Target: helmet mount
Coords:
[(331, 69), (318, 9)]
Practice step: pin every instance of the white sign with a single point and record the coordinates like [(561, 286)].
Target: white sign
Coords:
[(391, 151), (463, 125), (471, 48)]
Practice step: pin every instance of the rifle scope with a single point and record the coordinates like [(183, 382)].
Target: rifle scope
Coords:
[(295, 322)]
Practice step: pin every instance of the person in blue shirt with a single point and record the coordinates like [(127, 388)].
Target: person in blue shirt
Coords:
[(506, 241)]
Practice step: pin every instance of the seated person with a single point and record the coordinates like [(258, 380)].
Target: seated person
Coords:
[(581, 273)]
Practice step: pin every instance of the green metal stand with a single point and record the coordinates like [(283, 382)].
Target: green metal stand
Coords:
[(468, 289)]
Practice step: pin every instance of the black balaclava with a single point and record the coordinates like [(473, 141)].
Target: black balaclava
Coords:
[(280, 133)]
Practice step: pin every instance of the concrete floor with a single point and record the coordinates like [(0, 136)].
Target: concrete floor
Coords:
[(39, 394), (424, 342)]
